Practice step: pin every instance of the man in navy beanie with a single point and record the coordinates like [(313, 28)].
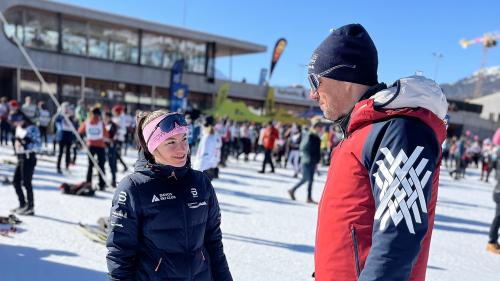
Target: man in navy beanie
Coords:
[(377, 210)]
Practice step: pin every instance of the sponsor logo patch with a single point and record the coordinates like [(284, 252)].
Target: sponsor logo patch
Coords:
[(196, 205)]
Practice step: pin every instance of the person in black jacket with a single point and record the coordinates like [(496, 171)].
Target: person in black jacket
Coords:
[(165, 218), (111, 146), (310, 149), (27, 144)]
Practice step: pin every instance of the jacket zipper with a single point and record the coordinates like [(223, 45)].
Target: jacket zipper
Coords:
[(158, 266), (187, 234), (356, 253)]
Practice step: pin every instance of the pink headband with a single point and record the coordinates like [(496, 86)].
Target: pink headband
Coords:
[(158, 135)]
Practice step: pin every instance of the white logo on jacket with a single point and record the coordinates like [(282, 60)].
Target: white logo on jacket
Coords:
[(163, 197), (122, 197), (196, 205), (194, 192), (401, 188)]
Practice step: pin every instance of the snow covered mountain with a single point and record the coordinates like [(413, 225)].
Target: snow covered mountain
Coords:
[(464, 88)]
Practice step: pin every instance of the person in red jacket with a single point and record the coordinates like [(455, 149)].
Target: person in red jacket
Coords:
[(95, 132), (376, 214), (270, 135)]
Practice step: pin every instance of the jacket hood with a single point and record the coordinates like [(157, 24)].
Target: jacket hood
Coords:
[(414, 96), (143, 166)]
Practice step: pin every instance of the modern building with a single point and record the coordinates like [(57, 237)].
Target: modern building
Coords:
[(491, 106), (111, 59), (465, 116)]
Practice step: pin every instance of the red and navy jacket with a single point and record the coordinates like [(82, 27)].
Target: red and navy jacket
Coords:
[(377, 210)]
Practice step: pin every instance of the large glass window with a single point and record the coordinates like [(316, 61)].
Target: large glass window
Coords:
[(159, 50), (15, 25), (41, 30), (74, 37), (194, 54), (71, 86), (125, 45), (162, 98), (152, 50), (171, 51), (99, 41), (163, 51)]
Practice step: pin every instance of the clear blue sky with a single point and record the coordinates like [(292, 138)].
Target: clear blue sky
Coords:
[(406, 33)]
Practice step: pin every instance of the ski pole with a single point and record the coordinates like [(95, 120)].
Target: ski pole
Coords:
[(56, 102)]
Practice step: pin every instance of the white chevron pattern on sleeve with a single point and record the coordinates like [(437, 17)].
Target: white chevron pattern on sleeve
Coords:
[(401, 187)]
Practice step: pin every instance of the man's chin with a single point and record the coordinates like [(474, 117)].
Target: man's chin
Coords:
[(329, 115)]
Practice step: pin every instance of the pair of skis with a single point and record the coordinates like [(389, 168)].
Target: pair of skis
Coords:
[(93, 233)]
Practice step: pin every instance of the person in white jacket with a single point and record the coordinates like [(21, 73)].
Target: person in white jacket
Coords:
[(209, 151)]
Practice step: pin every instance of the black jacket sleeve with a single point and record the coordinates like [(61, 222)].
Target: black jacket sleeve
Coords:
[(213, 239), (122, 237)]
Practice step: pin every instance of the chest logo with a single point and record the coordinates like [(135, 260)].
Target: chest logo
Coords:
[(163, 197), (194, 192)]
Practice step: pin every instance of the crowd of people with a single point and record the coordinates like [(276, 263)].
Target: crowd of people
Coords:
[(109, 132), (462, 152), (31, 129)]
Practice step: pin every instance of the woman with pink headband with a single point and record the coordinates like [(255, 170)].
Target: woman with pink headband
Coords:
[(165, 218)]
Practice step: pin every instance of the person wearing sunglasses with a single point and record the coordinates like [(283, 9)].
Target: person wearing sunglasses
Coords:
[(165, 218), (377, 210)]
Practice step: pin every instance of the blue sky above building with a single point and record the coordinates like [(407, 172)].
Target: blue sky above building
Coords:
[(405, 33)]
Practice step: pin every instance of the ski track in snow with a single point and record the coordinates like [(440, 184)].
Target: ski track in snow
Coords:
[(266, 236)]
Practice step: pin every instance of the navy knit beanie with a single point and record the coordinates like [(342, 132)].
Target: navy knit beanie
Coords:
[(349, 45)]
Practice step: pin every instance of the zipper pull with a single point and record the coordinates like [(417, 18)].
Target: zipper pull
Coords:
[(158, 266), (173, 175), (202, 255)]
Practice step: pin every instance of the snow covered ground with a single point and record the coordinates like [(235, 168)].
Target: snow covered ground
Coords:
[(266, 236)]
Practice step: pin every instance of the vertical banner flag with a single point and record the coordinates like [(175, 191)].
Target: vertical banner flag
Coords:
[(278, 50), (178, 91)]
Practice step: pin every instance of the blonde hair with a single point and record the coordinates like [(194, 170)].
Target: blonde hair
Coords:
[(148, 118), (141, 124)]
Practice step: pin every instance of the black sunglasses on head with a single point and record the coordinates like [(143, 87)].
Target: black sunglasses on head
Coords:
[(170, 122)]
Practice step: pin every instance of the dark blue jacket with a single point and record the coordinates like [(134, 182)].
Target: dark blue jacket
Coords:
[(61, 134), (165, 225), (310, 149)]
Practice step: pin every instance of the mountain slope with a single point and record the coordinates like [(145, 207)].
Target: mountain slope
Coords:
[(464, 88)]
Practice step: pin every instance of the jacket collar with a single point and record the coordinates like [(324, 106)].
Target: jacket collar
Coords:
[(142, 165), (343, 122)]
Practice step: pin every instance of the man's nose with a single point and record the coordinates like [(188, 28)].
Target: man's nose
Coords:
[(314, 95)]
